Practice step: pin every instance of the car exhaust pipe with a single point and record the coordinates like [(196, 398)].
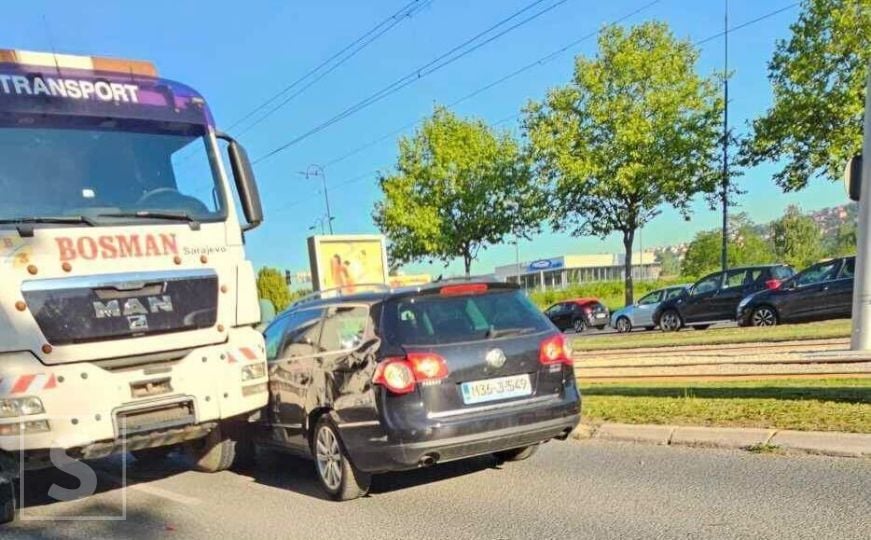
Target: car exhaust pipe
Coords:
[(428, 460)]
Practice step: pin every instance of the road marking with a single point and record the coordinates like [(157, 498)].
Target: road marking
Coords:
[(150, 489)]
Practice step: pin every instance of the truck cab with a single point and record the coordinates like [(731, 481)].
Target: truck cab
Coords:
[(127, 304)]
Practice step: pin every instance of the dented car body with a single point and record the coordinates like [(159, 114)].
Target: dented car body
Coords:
[(413, 377)]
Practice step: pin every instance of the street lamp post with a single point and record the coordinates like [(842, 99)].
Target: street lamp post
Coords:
[(316, 170)]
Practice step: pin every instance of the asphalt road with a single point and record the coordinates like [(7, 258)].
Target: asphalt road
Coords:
[(568, 490), (607, 331)]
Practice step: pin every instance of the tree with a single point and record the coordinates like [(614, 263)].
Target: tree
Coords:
[(797, 239), (669, 262), (746, 247), (635, 129), (271, 286), (818, 78), (844, 241), (458, 187)]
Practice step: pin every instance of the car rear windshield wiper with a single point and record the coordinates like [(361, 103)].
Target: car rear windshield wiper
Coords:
[(148, 214), (24, 225), (493, 333)]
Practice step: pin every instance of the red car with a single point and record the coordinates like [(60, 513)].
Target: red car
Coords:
[(578, 314)]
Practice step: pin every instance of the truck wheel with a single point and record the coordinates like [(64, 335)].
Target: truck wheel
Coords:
[(517, 454), (8, 510), (152, 457), (213, 453), (338, 476)]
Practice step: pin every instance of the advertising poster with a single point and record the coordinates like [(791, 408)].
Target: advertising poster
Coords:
[(345, 262)]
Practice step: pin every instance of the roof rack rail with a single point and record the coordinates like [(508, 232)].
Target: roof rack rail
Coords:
[(338, 292)]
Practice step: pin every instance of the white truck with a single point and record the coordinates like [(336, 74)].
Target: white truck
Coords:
[(127, 306)]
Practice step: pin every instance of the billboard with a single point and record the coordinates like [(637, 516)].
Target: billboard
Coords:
[(346, 261)]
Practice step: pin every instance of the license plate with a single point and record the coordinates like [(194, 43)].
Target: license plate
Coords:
[(600, 315), (494, 389)]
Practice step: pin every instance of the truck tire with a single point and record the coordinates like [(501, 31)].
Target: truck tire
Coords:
[(8, 505), (213, 453)]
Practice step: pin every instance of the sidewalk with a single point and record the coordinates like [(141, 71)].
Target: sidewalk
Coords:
[(812, 442)]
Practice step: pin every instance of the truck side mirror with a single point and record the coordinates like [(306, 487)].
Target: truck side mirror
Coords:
[(853, 177), (243, 175)]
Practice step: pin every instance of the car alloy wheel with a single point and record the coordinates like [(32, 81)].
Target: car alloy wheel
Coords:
[(763, 316), (329, 458), (578, 325), (623, 325), (670, 321)]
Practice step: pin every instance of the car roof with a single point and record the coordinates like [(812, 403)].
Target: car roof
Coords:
[(380, 293), (583, 300)]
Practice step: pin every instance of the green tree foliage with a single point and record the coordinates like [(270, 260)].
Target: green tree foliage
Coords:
[(818, 78), (634, 130), (669, 262), (746, 247), (458, 187), (271, 286), (797, 239), (844, 241)]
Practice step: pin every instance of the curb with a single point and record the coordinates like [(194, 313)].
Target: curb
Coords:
[(811, 442)]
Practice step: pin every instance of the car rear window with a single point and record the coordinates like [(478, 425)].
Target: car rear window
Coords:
[(434, 319)]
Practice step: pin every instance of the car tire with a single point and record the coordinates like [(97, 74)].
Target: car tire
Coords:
[(152, 457), (670, 321), (8, 504), (337, 475), (213, 453), (578, 325), (517, 454), (764, 316), (701, 326), (624, 325)]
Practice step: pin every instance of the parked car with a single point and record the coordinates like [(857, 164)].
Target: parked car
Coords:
[(578, 314), (822, 291), (640, 314), (715, 297), (406, 378)]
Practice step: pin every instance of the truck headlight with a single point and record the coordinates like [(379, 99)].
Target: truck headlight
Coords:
[(20, 407), (253, 371)]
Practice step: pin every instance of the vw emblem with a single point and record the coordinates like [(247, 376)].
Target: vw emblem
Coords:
[(495, 358)]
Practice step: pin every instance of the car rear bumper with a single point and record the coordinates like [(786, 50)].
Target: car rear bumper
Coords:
[(380, 448)]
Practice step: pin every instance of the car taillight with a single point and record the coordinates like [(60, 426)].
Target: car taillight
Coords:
[(773, 284), (401, 374), (555, 350), (465, 288)]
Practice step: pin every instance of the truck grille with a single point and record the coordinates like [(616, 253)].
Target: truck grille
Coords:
[(103, 307)]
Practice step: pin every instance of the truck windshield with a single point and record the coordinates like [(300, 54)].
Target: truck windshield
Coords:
[(110, 175)]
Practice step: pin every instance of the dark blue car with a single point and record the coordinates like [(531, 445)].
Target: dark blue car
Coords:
[(392, 380)]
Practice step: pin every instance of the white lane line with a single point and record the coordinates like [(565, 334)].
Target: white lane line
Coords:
[(150, 489)]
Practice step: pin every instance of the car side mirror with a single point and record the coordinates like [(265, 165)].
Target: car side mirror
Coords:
[(243, 176), (853, 178)]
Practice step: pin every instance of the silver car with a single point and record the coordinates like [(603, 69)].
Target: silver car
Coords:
[(640, 314)]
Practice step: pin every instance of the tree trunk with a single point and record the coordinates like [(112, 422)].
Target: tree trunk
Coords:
[(628, 240), (467, 261)]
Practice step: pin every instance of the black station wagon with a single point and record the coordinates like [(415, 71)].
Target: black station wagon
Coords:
[(398, 379)]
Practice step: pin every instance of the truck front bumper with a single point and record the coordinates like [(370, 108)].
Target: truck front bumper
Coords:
[(96, 408)]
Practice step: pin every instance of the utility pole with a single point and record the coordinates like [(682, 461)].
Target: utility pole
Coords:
[(724, 254), (316, 170), (861, 335)]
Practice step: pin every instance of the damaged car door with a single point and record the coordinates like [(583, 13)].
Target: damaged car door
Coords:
[(290, 375)]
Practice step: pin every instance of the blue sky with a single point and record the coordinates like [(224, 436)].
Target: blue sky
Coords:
[(240, 54)]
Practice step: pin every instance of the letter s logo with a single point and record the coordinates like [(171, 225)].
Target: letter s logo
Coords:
[(86, 475)]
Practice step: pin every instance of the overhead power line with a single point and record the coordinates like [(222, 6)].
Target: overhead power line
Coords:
[(508, 118), (447, 58), (539, 62), (330, 64)]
